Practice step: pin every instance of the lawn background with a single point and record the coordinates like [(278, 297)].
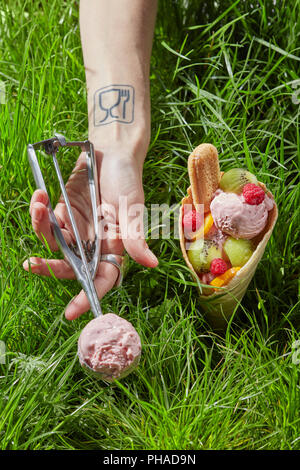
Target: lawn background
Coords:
[(222, 72)]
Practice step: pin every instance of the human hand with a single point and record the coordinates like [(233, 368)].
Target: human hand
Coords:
[(120, 179)]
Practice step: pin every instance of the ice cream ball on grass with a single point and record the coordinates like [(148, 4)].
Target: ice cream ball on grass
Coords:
[(109, 346)]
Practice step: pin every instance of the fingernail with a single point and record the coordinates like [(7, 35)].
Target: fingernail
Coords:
[(26, 265), (152, 256), (33, 264), (66, 308)]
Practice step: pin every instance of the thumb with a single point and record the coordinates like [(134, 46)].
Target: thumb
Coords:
[(131, 220)]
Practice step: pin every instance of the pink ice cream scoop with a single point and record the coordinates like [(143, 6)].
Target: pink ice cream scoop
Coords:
[(109, 346), (235, 217)]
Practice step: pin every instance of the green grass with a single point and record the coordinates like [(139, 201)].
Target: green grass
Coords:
[(222, 72)]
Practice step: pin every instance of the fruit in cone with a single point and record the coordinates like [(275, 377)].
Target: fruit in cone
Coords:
[(239, 251), (235, 179), (192, 221), (218, 266), (245, 255), (203, 230), (253, 194), (223, 279), (201, 253)]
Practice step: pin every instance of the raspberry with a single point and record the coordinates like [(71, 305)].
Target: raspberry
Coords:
[(253, 194), (218, 266), (192, 220)]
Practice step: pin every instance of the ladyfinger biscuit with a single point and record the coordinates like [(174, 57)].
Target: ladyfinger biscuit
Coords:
[(204, 173)]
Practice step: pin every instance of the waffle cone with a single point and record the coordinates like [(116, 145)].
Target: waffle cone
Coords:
[(221, 305)]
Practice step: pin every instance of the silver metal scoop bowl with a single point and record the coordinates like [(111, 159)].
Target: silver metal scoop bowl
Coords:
[(82, 256)]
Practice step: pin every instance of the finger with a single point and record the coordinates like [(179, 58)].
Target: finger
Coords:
[(103, 284), (132, 231), (49, 267), (41, 225), (40, 218), (38, 196), (140, 252)]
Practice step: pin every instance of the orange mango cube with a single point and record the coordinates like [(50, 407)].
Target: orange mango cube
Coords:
[(223, 279), (205, 228)]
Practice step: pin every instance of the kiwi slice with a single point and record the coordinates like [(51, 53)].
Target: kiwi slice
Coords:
[(238, 250), (235, 179), (201, 253)]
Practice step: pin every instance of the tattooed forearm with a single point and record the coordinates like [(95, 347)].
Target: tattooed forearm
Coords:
[(114, 103)]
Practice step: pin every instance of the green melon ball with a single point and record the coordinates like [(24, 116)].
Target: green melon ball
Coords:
[(238, 250)]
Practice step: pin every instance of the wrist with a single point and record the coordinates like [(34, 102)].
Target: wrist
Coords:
[(118, 140)]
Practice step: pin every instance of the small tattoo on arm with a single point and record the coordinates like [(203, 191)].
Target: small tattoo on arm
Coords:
[(114, 103)]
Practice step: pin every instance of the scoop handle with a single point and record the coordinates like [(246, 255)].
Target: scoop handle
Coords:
[(80, 266)]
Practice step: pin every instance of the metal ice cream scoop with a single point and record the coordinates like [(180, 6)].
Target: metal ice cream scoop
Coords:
[(83, 256)]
